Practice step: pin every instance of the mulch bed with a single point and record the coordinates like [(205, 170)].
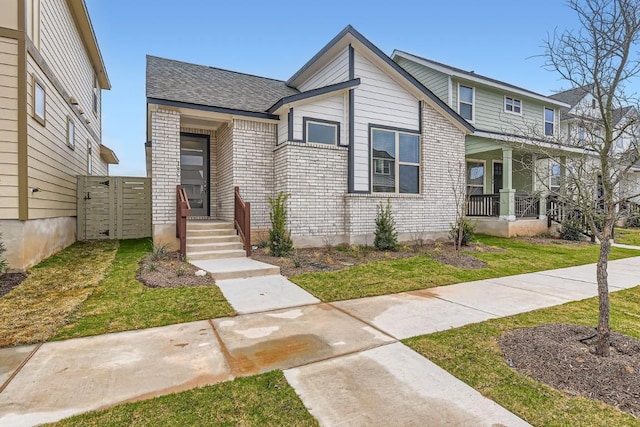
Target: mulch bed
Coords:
[(170, 272), (559, 355), (9, 281), (311, 260)]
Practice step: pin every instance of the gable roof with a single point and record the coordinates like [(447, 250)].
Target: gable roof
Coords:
[(349, 34), (178, 81), (473, 76), (573, 96)]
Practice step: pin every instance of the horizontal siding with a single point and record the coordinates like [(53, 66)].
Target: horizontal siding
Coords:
[(435, 81), (8, 128), (335, 72), (331, 108), (62, 48), (52, 165), (379, 100)]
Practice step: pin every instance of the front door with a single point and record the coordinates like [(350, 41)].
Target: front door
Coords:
[(194, 171), (497, 177)]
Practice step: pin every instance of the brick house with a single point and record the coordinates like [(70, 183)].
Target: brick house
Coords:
[(347, 131)]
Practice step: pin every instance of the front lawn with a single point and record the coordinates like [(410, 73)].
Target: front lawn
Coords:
[(628, 236), (472, 354), (261, 400), (504, 257)]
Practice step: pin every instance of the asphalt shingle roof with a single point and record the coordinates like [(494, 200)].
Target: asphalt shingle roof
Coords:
[(172, 80)]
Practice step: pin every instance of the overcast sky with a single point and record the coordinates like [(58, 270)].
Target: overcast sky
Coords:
[(497, 38)]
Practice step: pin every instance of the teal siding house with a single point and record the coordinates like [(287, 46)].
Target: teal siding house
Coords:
[(504, 176)]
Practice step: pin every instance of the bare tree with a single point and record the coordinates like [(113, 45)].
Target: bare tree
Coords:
[(602, 58)]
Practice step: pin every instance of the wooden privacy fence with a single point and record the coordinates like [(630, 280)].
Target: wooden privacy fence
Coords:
[(111, 207)]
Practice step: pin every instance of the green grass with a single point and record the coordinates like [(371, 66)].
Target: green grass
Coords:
[(628, 236), (120, 302), (35, 310), (407, 274), (471, 353), (262, 400)]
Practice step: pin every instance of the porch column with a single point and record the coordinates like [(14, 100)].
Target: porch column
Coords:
[(543, 206), (507, 193)]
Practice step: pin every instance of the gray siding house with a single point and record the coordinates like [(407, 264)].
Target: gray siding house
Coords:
[(348, 130)]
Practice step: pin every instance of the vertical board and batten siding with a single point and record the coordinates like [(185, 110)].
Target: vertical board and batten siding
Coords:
[(33, 21), (283, 128), (9, 15), (331, 108), (335, 72), (113, 207), (435, 81), (8, 128), (62, 47), (379, 100)]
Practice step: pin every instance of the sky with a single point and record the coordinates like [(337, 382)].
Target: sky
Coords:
[(501, 39)]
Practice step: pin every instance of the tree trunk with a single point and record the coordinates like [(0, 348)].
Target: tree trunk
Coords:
[(604, 333)]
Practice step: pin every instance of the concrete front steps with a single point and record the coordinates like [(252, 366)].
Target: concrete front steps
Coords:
[(214, 246)]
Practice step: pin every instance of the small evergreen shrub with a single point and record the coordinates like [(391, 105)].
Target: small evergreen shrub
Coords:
[(386, 235), (633, 220), (571, 229), (4, 265), (280, 243), (467, 232)]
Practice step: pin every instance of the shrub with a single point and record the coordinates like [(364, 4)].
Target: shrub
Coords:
[(4, 265), (386, 235), (159, 252), (633, 220), (280, 243), (467, 232), (571, 229)]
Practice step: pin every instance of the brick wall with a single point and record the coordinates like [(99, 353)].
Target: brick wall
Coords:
[(253, 144), (165, 158), (224, 154), (315, 176)]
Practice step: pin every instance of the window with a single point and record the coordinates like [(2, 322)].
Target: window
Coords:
[(89, 158), (475, 177), (96, 94), (39, 101), (549, 121), (555, 177), (512, 105), (396, 161), (71, 133), (321, 132), (465, 102)]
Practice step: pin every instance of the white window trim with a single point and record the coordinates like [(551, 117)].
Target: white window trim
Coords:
[(96, 92), (397, 160), (473, 101), (38, 83), (552, 163), (544, 121), (484, 178), (89, 157), (512, 100), (384, 162), (71, 133), (335, 125)]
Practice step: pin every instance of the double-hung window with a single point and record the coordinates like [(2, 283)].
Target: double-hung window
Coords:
[(475, 177), (555, 177), (549, 121), (465, 102), (396, 161), (512, 105), (71, 133), (321, 132)]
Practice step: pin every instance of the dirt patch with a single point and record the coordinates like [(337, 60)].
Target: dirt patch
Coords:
[(310, 260), (546, 240), (460, 260), (9, 281), (562, 356), (168, 271)]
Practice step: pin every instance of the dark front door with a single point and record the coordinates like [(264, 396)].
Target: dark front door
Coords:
[(497, 177), (194, 171)]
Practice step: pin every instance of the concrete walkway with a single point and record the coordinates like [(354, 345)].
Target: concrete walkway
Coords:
[(343, 359)]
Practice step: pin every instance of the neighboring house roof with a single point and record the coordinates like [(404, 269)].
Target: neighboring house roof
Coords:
[(172, 80), (471, 75), (81, 15), (382, 154), (571, 97), (350, 34)]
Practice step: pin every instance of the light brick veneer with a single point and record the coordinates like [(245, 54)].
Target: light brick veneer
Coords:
[(165, 160)]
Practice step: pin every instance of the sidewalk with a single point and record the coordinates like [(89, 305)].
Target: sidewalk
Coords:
[(343, 358)]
